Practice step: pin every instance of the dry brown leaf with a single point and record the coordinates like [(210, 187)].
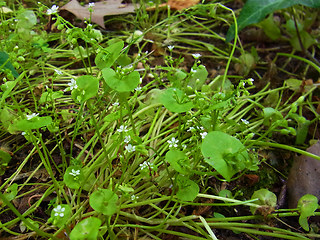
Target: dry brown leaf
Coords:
[(182, 4), (100, 9)]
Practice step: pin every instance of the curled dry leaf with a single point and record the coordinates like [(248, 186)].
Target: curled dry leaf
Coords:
[(100, 9)]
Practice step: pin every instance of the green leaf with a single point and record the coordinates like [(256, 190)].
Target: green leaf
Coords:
[(11, 192), (266, 199), (307, 205), (125, 83), (5, 158), (104, 201), (109, 55), (256, 10), (88, 87), (224, 153), (34, 123), (178, 160), (60, 215), (271, 115), (270, 28), (175, 100), (49, 96), (73, 177), (6, 64), (188, 189), (198, 77), (87, 229)]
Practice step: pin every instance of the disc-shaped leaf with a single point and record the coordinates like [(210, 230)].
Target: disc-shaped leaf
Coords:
[(87, 229), (224, 153), (124, 83), (175, 100), (104, 201), (178, 161), (307, 205), (265, 198), (188, 189), (34, 123), (88, 87), (73, 177), (109, 55)]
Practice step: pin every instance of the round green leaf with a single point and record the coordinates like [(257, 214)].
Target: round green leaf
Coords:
[(87, 229), (60, 215), (109, 55), (88, 87), (175, 100), (73, 177), (224, 153), (198, 77), (178, 161), (34, 123), (125, 83), (104, 201), (188, 189), (265, 198)]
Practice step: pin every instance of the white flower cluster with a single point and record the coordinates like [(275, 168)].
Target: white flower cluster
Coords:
[(59, 211)]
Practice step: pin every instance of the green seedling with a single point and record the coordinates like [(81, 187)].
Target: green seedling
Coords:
[(188, 189), (307, 205), (104, 201), (267, 201), (175, 100), (74, 177), (87, 229), (225, 154)]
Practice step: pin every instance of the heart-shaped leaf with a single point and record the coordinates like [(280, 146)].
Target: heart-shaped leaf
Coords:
[(124, 83), (175, 100), (188, 189), (224, 153), (104, 201), (87, 87)]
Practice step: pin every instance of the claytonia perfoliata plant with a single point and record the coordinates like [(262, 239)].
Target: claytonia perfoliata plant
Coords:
[(59, 211), (53, 10), (73, 84), (130, 148), (173, 142)]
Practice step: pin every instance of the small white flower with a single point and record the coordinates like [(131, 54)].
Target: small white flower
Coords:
[(23, 133), (115, 104), (143, 165), (74, 172), (200, 128), (130, 148), (251, 80), (134, 197), (170, 47), (52, 10), (122, 129), (30, 116), (59, 211), (58, 72), (173, 142), (91, 4), (196, 55), (203, 134), (138, 89), (193, 70), (190, 129), (245, 121), (127, 139), (146, 164), (73, 84)]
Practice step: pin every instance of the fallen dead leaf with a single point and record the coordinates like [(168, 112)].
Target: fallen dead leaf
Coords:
[(182, 4), (100, 9)]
